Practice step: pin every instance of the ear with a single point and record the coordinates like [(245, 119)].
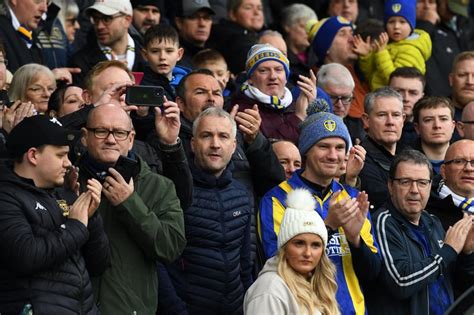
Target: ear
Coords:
[(442, 171), (143, 51), (234, 145), (390, 187), (179, 23), (450, 79), (32, 156), (180, 53), (180, 103), (128, 20), (417, 128), (231, 16), (86, 96), (365, 120), (227, 76), (84, 135), (460, 128), (192, 144), (132, 139)]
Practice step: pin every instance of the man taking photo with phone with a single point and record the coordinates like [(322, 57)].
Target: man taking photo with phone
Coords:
[(143, 218)]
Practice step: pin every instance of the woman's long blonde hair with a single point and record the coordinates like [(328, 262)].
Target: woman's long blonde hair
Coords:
[(318, 292)]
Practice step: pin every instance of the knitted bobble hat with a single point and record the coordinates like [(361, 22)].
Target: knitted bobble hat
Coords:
[(300, 217), (264, 52)]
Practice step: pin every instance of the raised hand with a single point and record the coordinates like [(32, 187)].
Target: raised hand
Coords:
[(249, 122), (361, 47), (116, 189), (457, 234), (167, 122)]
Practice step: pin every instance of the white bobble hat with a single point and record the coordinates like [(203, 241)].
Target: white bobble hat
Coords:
[(301, 217)]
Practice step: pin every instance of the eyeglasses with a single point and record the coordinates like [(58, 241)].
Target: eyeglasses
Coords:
[(205, 17), (4, 62), (106, 19), (408, 182), (102, 133), (345, 99), (38, 89), (461, 163), (73, 20), (48, 2)]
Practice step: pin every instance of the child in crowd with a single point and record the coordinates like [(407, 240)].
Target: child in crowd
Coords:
[(400, 46), (215, 62), (161, 50)]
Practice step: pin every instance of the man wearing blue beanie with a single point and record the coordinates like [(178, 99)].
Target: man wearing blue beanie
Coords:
[(333, 42), (324, 141)]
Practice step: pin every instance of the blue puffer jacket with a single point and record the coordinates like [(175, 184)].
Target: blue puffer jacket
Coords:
[(214, 271)]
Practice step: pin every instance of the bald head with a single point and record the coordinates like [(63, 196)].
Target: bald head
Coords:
[(275, 39), (109, 133), (457, 171), (105, 110), (465, 127)]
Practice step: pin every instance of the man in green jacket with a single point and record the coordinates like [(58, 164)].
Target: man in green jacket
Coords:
[(142, 217)]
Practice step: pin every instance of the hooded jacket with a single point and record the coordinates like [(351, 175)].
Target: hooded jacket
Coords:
[(46, 258), (412, 51)]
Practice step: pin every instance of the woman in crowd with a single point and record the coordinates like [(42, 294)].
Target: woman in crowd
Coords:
[(65, 100), (300, 279), (294, 19), (68, 17), (234, 36), (33, 83)]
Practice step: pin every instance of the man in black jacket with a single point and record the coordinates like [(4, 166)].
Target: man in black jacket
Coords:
[(49, 249), (19, 24), (384, 117), (419, 257)]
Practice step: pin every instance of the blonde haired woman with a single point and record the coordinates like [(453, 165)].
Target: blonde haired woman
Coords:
[(300, 279)]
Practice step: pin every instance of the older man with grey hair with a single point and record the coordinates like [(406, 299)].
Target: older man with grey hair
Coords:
[(338, 83), (384, 117)]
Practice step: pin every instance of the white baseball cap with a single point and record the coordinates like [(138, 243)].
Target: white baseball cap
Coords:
[(111, 7)]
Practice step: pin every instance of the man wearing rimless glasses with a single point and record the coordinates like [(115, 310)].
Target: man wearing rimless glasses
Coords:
[(110, 39), (336, 80), (453, 192)]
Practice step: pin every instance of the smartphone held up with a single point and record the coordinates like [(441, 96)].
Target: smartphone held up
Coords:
[(152, 96)]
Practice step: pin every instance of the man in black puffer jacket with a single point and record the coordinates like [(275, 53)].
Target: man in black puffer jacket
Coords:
[(214, 270), (49, 249)]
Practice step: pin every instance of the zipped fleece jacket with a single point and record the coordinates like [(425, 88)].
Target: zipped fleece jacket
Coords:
[(412, 51), (46, 258), (270, 294), (143, 229), (354, 266), (407, 270)]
